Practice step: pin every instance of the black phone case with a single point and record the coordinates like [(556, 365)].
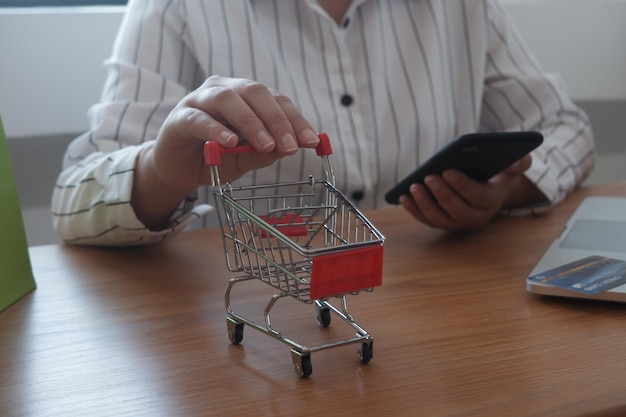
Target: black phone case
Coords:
[(478, 155)]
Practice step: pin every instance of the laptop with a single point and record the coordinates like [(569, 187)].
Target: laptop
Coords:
[(588, 260)]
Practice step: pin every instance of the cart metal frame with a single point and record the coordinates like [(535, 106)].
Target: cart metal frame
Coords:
[(303, 238)]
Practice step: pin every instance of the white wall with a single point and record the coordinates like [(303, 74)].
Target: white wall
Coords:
[(584, 40), (51, 66), (51, 59)]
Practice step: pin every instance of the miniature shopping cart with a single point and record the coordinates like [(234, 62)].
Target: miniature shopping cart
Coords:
[(305, 239)]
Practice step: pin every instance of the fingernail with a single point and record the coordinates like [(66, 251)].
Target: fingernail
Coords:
[(432, 182), (228, 138), (265, 140), (309, 137), (451, 176), (289, 143)]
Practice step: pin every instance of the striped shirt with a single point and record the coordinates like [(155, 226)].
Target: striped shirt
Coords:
[(391, 84)]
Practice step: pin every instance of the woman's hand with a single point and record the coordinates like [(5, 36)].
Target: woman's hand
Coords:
[(226, 110), (453, 201)]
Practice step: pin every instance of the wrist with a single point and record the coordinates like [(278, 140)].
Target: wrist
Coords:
[(153, 199), (526, 192)]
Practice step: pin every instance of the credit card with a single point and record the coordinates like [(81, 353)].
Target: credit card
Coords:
[(591, 275)]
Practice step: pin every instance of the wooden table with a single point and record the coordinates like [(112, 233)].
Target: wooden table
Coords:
[(142, 332)]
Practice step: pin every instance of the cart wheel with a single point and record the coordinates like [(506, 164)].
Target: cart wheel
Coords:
[(366, 351), (235, 331), (302, 363), (323, 316)]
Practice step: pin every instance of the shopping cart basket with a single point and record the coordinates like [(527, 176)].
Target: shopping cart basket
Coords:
[(305, 239)]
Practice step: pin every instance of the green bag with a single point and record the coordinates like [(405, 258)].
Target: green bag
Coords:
[(16, 274)]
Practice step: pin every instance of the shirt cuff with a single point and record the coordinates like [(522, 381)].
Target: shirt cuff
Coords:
[(535, 174), (187, 212), (113, 222)]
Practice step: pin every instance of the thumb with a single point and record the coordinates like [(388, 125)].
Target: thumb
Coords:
[(520, 166)]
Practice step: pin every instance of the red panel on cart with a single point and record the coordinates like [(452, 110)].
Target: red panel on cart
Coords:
[(289, 224), (346, 271)]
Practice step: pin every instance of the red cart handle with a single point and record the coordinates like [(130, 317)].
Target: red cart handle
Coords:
[(213, 151)]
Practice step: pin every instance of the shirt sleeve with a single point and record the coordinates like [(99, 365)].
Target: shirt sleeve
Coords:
[(520, 95), (91, 203), (91, 200)]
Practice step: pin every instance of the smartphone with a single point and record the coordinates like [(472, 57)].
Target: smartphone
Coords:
[(478, 155)]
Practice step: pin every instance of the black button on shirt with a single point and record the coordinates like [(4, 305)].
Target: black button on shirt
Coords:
[(358, 195), (346, 22), (346, 100)]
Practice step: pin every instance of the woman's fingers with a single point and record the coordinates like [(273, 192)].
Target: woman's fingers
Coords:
[(264, 118)]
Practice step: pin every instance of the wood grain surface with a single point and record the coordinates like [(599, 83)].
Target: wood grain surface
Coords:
[(142, 331)]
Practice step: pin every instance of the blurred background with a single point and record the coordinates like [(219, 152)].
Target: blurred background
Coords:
[(51, 72)]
